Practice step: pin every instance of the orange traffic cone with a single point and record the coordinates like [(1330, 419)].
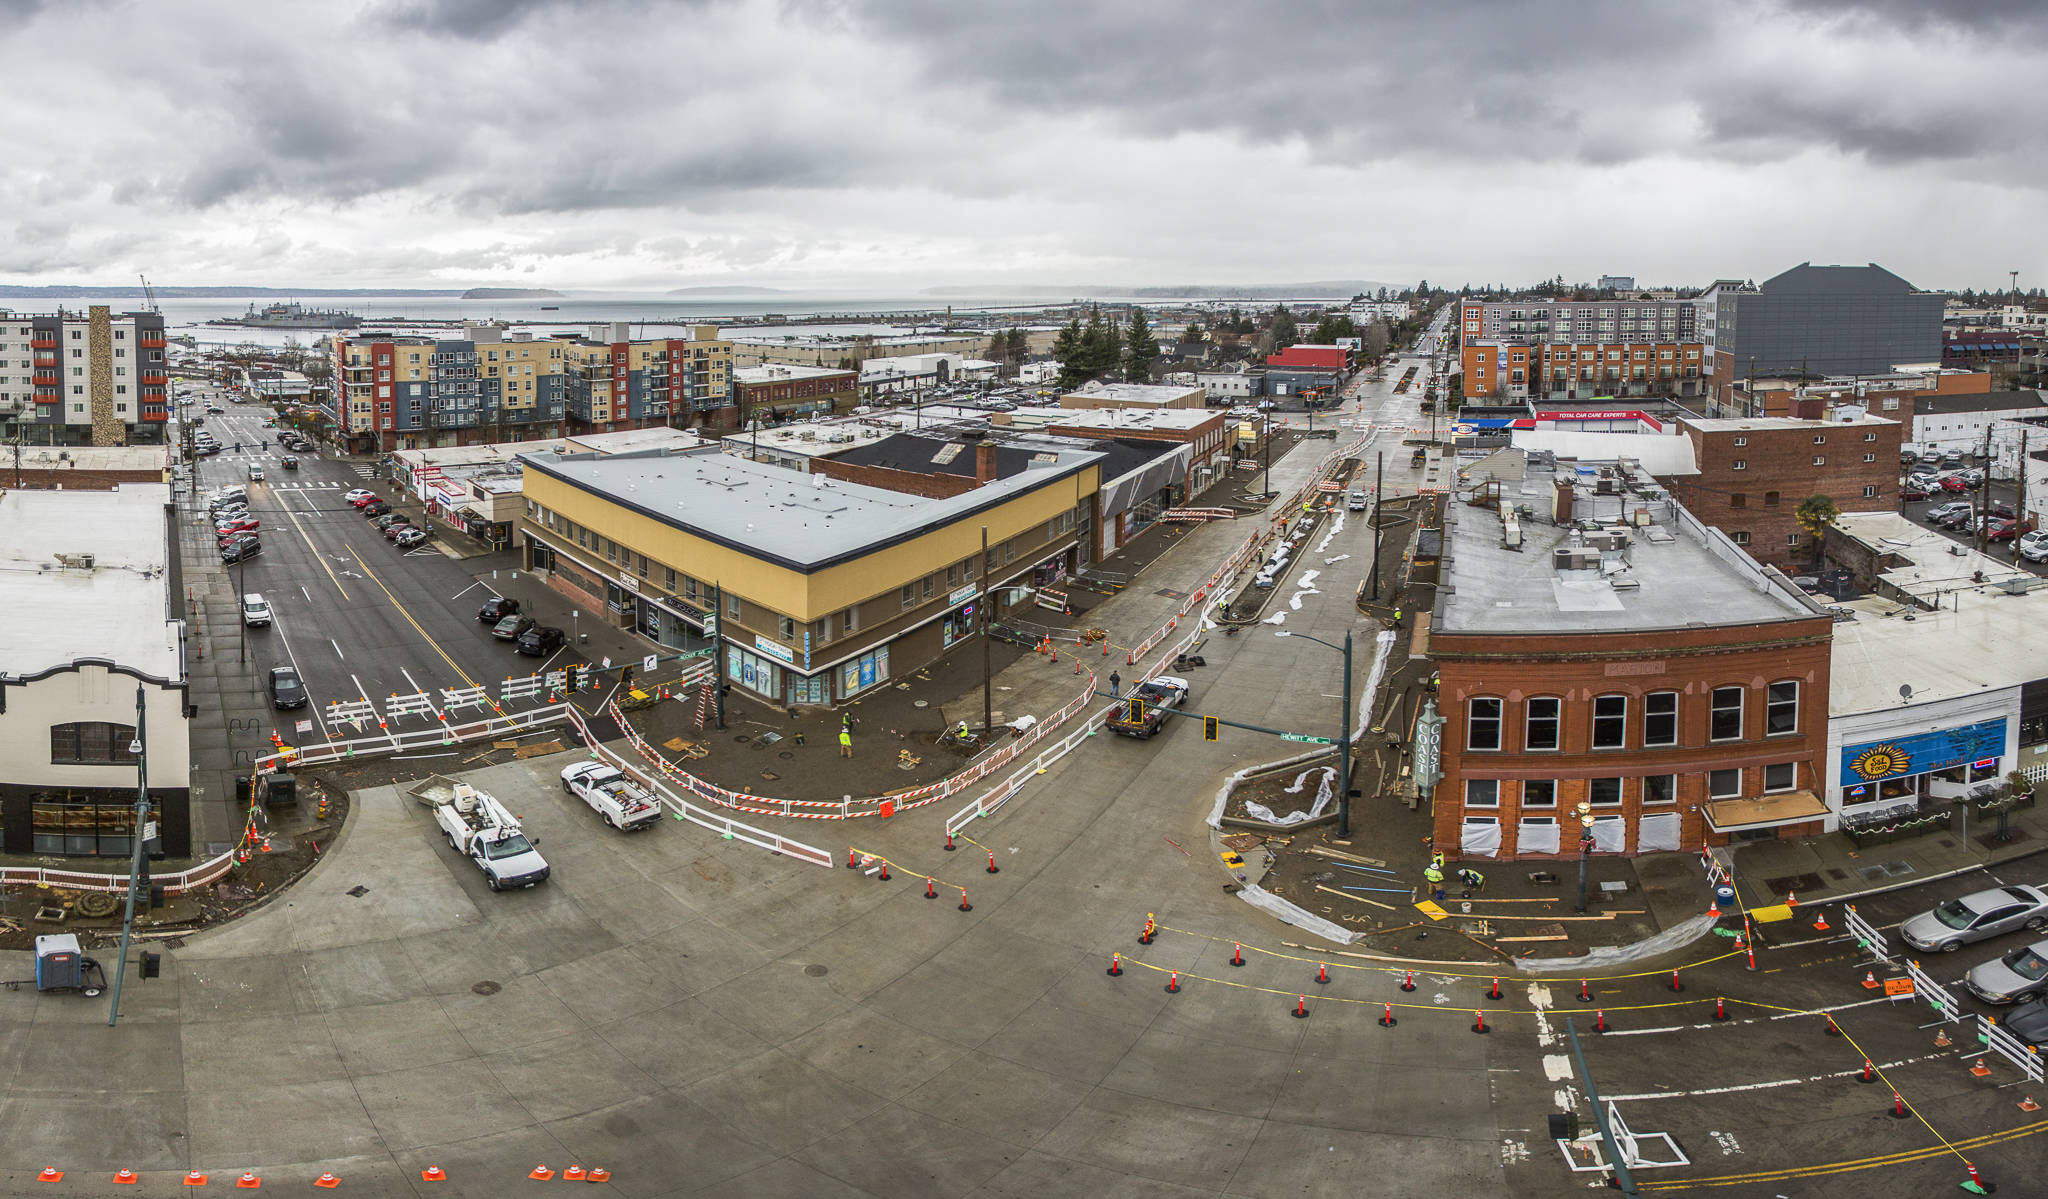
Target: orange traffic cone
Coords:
[(1791, 899), (1869, 980), (50, 1174), (327, 1181), (600, 1174), (573, 1174), (194, 1178), (126, 1176), (433, 1174), (542, 1172), (1820, 922), (1713, 910), (248, 1181)]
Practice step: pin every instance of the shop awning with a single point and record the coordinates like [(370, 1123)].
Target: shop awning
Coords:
[(1791, 807)]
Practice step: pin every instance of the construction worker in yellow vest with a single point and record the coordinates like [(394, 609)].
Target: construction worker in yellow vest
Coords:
[(1434, 876)]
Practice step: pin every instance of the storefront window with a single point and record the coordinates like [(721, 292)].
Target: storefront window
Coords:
[(864, 672), (755, 673), (816, 690), (79, 825)]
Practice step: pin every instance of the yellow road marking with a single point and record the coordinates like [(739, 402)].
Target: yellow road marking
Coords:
[(372, 576), (317, 555)]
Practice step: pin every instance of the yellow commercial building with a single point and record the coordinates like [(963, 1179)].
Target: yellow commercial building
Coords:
[(821, 588)]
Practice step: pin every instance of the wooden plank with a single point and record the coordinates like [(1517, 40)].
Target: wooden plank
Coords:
[(1356, 898), (1544, 937), (1322, 852)]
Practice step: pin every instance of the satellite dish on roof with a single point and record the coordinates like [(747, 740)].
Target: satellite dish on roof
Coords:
[(1906, 692)]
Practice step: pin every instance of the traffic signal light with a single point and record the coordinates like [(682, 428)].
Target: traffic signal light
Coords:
[(1210, 727), (1134, 710), (625, 676), (571, 677)]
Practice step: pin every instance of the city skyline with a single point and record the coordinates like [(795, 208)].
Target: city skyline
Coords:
[(890, 147)]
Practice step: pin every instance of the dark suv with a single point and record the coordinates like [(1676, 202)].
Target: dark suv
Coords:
[(286, 691), (496, 608), (541, 641)]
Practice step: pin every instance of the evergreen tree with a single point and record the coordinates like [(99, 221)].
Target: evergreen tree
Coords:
[(1096, 356), (1141, 349), (1016, 349), (998, 347), (1192, 335), (1071, 353), (1281, 328)]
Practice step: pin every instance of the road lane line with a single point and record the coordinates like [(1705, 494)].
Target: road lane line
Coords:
[(402, 611), (317, 555)]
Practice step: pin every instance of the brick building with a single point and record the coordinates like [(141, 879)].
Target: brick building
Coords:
[(1752, 475), (777, 393), (1576, 350), (1613, 660)]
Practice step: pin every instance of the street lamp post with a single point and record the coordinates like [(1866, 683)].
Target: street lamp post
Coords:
[(139, 748), (1343, 732), (1585, 811)]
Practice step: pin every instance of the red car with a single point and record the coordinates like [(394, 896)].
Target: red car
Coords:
[(363, 501), (392, 530), (245, 524), (1954, 483), (1911, 493), (1996, 529)]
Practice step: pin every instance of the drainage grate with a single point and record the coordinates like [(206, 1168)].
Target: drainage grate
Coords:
[(358, 891), (487, 987)]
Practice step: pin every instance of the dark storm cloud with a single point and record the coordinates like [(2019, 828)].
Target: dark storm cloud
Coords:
[(1928, 15), (480, 20)]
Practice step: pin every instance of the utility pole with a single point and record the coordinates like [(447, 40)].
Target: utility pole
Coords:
[(141, 748), (1344, 751), (1984, 509), (2019, 501), (1378, 499), (988, 616), (717, 632)]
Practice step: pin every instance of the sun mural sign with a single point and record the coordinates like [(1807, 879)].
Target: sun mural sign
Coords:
[(1922, 752)]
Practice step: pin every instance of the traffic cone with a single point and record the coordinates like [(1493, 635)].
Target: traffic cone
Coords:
[(1301, 1007), (1600, 1020), (1834, 1030), (50, 1174), (1387, 1018), (1791, 899), (992, 867), (1675, 984), (1720, 1008), (433, 1174), (1116, 965), (1408, 981), (1869, 1072), (1899, 1111), (1870, 980), (542, 1172), (964, 905), (194, 1178), (248, 1181), (1322, 972), (327, 1181), (1713, 910), (573, 1174), (600, 1174), (1237, 953), (930, 891), (1151, 926), (1493, 992), (1820, 922), (1980, 1069), (1479, 1022), (885, 870), (1585, 995), (125, 1176), (2028, 1105), (852, 858), (1976, 1185), (1941, 1040), (1173, 983), (1077, 666)]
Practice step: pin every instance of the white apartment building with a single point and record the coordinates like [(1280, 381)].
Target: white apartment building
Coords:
[(83, 378)]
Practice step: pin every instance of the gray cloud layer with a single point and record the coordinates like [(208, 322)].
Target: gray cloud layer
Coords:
[(842, 142)]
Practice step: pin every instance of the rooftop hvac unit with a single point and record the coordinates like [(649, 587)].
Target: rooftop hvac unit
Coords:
[(1625, 583)]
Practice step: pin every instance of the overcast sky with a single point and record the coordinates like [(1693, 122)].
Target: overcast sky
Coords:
[(890, 145)]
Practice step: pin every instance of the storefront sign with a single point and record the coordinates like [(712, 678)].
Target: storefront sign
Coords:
[(781, 653), (961, 596), (629, 583), (1923, 752)]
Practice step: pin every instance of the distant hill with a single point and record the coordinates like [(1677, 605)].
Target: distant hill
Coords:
[(511, 293), (726, 291), (60, 291), (1330, 289)]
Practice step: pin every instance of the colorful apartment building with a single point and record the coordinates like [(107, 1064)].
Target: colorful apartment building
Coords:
[(90, 378), (413, 392), (1577, 350)]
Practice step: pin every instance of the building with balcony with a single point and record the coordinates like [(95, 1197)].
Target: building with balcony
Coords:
[(1597, 645), (612, 382), (96, 636), (90, 378), (1576, 350)]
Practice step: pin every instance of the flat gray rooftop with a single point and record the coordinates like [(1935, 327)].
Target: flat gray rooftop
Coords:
[(1672, 575), (117, 609), (805, 522)]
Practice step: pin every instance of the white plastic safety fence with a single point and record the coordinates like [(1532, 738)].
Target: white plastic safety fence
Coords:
[(391, 743), (416, 704), (76, 880), (554, 681), (1003, 792), (1936, 995), (724, 826), (455, 699), (1868, 938), (525, 687), (2010, 1047), (1631, 1143), (357, 712)]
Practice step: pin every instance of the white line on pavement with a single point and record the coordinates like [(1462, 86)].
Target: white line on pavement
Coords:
[(1769, 1084)]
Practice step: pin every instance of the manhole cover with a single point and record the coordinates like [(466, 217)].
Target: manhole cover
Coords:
[(487, 987), (742, 738), (816, 971), (920, 703), (786, 754)]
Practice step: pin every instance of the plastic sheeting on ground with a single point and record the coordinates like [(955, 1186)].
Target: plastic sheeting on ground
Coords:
[(1275, 906)]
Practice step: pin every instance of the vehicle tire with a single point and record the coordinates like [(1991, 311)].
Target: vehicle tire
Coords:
[(90, 992), (2038, 924), (492, 879), (450, 839), (1951, 946), (609, 820), (567, 789)]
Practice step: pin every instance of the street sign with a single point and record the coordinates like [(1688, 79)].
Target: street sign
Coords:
[(305, 726), (1308, 740), (647, 663)]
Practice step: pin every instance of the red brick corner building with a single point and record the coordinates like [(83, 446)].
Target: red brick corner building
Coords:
[(1602, 647)]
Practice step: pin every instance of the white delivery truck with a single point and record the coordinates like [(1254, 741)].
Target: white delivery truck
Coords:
[(481, 828), (623, 803)]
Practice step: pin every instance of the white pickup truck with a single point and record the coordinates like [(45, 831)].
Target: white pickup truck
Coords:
[(623, 803), (481, 828)]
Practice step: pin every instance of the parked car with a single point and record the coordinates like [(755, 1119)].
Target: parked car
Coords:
[(286, 688), (239, 524), (1951, 460), (375, 508), (2010, 977), (1912, 492), (2034, 546), (240, 548), (1976, 916), (1950, 515), (1954, 484), (2002, 511), (540, 641), (255, 610), (392, 530), (227, 495), (1973, 477), (357, 494), (2029, 1022), (1996, 529), (496, 608), (389, 518), (411, 539)]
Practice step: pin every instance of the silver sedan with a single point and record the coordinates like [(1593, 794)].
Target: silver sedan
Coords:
[(2010, 977), (1975, 917)]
